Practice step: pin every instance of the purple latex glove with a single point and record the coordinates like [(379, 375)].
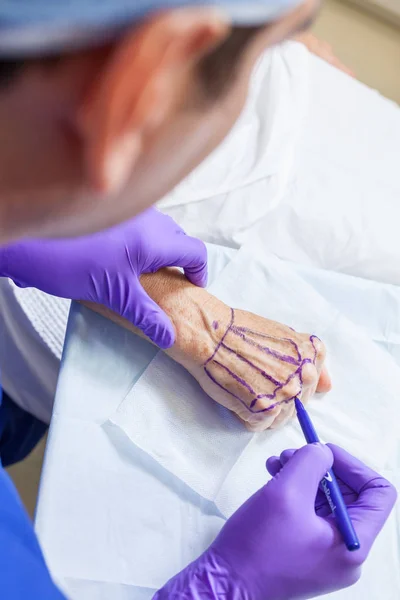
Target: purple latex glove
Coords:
[(283, 543), (105, 268)]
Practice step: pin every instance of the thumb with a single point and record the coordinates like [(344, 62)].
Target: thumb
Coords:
[(325, 382), (147, 316), (190, 254), (306, 469)]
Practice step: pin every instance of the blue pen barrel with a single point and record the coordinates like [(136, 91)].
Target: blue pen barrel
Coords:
[(330, 485), (338, 507)]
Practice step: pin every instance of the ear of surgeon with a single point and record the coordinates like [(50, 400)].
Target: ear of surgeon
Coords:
[(98, 136)]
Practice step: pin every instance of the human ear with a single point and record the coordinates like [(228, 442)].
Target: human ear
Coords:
[(138, 87)]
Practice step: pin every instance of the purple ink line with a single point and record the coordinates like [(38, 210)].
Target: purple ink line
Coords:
[(247, 361), (312, 338), (235, 377), (269, 337), (269, 396), (283, 357), (224, 389), (287, 401), (281, 386), (239, 331), (268, 409), (223, 338)]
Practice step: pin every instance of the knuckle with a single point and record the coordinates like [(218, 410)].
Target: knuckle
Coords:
[(309, 374), (320, 348), (292, 389), (262, 421), (387, 491)]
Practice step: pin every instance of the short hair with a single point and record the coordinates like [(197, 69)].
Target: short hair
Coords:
[(216, 70)]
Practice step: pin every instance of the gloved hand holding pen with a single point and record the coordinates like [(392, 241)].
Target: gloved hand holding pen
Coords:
[(283, 543)]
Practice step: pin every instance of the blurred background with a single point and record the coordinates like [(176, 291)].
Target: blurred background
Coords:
[(365, 36)]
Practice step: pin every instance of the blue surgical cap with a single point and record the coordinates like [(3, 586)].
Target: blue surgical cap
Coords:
[(34, 27)]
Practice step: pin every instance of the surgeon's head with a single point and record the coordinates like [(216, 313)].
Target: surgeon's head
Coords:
[(93, 135)]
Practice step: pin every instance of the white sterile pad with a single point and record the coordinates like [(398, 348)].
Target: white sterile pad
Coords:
[(169, 417)]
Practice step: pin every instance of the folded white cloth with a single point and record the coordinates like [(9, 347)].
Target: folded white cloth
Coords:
[(341, 208), (168, 416), (247, 175)]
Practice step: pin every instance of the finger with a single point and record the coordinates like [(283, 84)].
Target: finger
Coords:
[(371, 510), (286, 456), (190, 254), (285, 415), (258, 422), (310, 380), (305, 470), (261, 424), (325, 382), (273, 465), (321, 505), (195, 264), (352, 471), (376, 495), (147, 316)]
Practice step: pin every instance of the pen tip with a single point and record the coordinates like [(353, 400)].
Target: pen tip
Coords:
[(298, 403)]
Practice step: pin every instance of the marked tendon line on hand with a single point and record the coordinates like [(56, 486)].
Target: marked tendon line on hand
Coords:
[(241, 332), (247, 361), (270, 337)]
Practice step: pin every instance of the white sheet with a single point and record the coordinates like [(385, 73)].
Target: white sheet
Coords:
[(105, 506), (341, 210)]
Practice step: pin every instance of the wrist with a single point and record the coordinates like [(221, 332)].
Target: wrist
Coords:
[(195, 314), (209, 577)]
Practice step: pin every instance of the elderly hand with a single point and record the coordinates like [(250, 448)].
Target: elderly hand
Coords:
[(105, 268), (249, 364), (283, 543), (256, 367)]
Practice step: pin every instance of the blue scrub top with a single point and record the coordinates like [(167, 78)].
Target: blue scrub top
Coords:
[(23, 571)]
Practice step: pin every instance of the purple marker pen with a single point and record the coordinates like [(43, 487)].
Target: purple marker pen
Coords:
[(330, 485)]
